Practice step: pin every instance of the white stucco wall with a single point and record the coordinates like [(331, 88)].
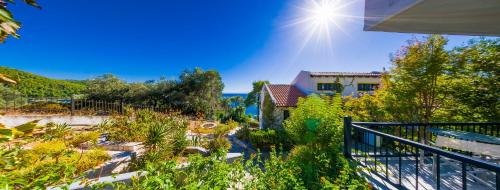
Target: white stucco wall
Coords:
[(263, 94), (278, 111), (309, 84), (10, 121), (303, 82)]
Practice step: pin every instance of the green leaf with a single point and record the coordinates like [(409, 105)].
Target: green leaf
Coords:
[(27, 126), (6, 132), (33, 3)]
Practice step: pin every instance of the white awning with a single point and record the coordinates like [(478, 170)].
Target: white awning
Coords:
[(464, 17)]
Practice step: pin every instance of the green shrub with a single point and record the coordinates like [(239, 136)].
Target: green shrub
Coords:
[(48, 163), (243, 133), (46, 107), (214, 172), (218, 143), (55, 131), (315, 127), (254, 124), (85, 137), (232, 124), (262, 138), (134, 126), (269, 137), (90, 159), (222, 130)]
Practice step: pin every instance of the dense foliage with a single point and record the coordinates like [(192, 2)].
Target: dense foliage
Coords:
[(475, 81), (315, 127), (428, 83), (37, 86), (164, 136), (233, 108), (106, 87), (264, 139), (30, 161), (254, 95), (196, 92), (269, 119), (313, 134), (214, 172)]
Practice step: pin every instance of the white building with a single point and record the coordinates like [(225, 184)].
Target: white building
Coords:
[(285, 96)]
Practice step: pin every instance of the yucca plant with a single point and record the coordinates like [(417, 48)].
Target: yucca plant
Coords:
[(156, 136)]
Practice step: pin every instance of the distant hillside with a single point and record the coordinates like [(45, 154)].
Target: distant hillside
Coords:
[(38, 86)]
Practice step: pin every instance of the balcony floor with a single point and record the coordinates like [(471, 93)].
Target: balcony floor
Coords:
[(451, 174)]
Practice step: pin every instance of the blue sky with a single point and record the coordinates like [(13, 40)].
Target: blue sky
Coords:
[(143, 40)]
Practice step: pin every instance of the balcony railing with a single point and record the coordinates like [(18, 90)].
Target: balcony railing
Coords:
[(403, 155)]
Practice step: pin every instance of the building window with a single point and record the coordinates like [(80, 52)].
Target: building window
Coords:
[(286, 114), (329, 87), (367, 87)]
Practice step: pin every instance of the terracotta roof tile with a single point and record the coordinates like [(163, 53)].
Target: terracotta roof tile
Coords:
[(285, 95)]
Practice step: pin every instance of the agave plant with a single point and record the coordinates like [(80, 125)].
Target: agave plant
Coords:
[(23, 130), (8, 25)]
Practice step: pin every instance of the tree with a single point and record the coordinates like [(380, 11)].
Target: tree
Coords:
[(417, 84), (316, 121), (474, 76), (369, 108), (106, 87), (255, 93), (199, 92), (315, 127), (8, 25)]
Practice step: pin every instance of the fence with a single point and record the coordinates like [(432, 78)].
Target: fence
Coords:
[(392, 150), (16, 103)]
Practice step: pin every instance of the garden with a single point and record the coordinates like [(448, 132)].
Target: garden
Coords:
[(186, 146)]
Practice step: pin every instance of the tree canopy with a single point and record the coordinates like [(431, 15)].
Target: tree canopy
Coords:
[(8, 25), (33, 85), (254, 94), (429, 83)]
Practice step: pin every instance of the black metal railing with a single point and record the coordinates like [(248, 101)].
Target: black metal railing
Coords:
[(18, 103), (383, 144)]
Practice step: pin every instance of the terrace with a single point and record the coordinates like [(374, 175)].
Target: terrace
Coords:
[(413, 155)]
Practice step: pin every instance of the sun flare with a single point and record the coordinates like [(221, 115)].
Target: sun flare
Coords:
[(320, 19)]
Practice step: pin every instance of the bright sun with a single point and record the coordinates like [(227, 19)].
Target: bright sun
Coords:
[(323, 12), (319, 19)]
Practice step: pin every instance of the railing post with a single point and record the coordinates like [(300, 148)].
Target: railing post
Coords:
[(72, 105), (464, 176), (498, 180), (121, 107), (347, 137)]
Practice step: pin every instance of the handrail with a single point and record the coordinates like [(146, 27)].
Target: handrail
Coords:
[(452, 155), (381, 124)]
